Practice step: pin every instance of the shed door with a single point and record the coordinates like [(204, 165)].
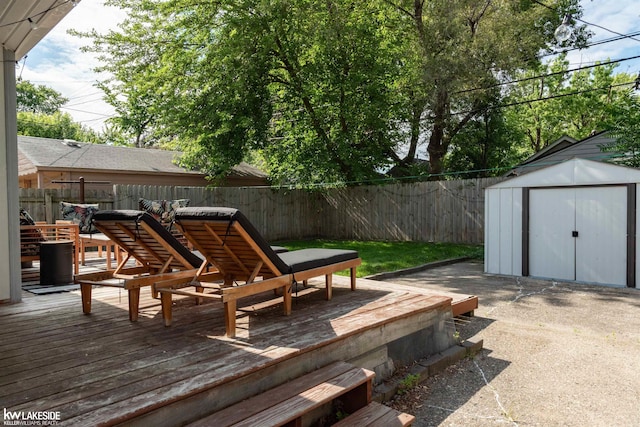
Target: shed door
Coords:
[(552, 250), (598, 215)]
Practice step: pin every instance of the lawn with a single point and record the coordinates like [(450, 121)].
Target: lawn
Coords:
[(381, 257)]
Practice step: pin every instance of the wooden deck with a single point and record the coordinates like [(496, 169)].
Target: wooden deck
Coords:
[(101, 369)]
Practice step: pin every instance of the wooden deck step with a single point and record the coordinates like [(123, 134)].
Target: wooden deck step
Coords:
[(377, 415), (285, 405)]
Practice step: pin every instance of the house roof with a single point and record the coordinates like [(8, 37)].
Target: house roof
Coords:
[(572, 172), (567, 148), (47, 153)]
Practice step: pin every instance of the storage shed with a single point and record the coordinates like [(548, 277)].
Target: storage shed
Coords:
[(574, 221)]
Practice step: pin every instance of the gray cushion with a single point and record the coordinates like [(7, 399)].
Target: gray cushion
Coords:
[(286, 262), (306, 259), (133, 218)]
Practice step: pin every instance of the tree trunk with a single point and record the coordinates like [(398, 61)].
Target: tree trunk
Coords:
[(436, 150), (437, 144), (416, 117)]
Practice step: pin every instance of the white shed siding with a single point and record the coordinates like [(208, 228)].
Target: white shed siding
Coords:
[(574, 172), (582, 195), (503, 236)]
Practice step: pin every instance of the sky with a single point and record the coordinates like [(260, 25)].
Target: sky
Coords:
[(57, 61)]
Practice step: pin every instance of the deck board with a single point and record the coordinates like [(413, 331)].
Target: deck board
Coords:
[(101, 369)]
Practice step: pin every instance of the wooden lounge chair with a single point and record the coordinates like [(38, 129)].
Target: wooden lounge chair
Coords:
[(228, 241), (159, 256)]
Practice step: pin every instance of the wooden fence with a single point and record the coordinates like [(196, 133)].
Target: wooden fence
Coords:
[(44, 205), (439, 211)]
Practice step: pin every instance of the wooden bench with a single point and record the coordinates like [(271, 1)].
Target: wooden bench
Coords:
[(343, 384)]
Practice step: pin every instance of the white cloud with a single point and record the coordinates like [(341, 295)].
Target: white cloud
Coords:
[(57, 62), (619, 16)]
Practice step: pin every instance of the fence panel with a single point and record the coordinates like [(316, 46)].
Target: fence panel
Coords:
[(44, 204), (434, 211)]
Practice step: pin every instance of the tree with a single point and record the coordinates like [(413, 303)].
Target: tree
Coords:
[(466, 44), (626, 132), (38, 99), (39, 115), (57, 125), (484, 147), (326, 91), (550, 102), (534, 110), (307, 83)]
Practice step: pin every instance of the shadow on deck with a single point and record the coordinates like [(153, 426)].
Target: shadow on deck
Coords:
[(101, 369)]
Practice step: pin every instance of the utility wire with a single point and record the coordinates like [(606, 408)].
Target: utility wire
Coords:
[(84, 111), (606, 29), (588, 45), (585, 22), (541, 76), (562, 95)]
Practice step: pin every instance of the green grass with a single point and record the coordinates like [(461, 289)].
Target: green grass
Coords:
[(381, 257)]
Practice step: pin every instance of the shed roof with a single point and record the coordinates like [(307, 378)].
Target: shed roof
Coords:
[(575, 171), (63, 154)]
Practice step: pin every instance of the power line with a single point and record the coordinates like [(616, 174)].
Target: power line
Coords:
[(81, 103), (606, 29), (585, 22), (84, 111), (562, 95), (541, 76), (595, 43)]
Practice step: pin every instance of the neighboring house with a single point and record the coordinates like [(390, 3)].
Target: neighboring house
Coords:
[(42, 161), (567, 148)]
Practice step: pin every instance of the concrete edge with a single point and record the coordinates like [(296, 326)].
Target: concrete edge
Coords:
[(426, 368), (397, 273)]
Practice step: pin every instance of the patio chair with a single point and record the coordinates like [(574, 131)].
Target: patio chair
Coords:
[(158, 254), (228, 240)]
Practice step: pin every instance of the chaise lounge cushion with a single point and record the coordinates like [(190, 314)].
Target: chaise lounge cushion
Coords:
[(306, 259), (137, 217), (286, 262)]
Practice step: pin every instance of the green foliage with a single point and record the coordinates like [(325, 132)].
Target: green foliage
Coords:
[(485, 147), (57, 125), (408, 382), (39, 115), (626, 130), (381, 257), (38, 99), (580, 103), (466, 45), (322, 91)]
